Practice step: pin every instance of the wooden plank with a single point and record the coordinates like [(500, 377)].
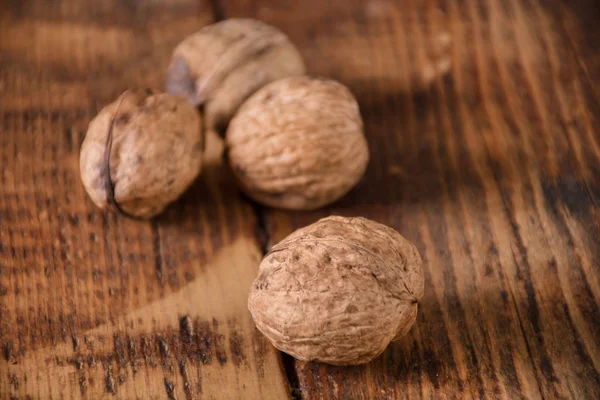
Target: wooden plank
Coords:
[(95, 304), (493, 172)]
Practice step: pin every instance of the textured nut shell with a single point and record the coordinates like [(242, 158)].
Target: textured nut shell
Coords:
[(156, 152), (337, 291), (298, 143), (224, 63)]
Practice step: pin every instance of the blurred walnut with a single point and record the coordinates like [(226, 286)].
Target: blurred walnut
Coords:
[(224, 63), (337, 291), (298, 143), (141, 152)]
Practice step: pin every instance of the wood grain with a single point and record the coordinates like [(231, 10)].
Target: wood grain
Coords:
[(492, 170), (94, 304)]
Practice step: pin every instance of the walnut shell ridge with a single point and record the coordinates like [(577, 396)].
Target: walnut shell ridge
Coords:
[(221, 65), (298, 143), (338, 291), (155, 154)]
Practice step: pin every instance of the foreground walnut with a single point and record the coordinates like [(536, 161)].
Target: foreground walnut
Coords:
[(337, 291), (224, 63), (298, 143), (141, 152)]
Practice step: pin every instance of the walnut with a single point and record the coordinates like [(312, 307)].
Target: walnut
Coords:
[(298, 143), (224, 63), (141, 152), (337, 291)]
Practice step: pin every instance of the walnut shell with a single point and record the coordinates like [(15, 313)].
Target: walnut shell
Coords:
[(155, 152), (337, 291), (224, 63), (298, 143)]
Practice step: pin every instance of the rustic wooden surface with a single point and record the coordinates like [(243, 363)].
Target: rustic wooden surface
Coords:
[(492, 170)]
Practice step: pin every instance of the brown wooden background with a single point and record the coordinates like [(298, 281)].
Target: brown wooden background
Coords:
[(493, 171)]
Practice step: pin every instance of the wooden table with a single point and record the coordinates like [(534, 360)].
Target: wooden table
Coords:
[(493, 170)]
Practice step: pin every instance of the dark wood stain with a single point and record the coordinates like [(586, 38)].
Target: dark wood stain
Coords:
[(204, 342), (133, 353), (259, 345), (196, 342), (170, 389), (218, 343), (75, 342), (158, 260), (109, 380), (236, 348), (187, 388), (120, 353), (146, 346), (82, 384), (186, 330), (14, 381), (8, 352)]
